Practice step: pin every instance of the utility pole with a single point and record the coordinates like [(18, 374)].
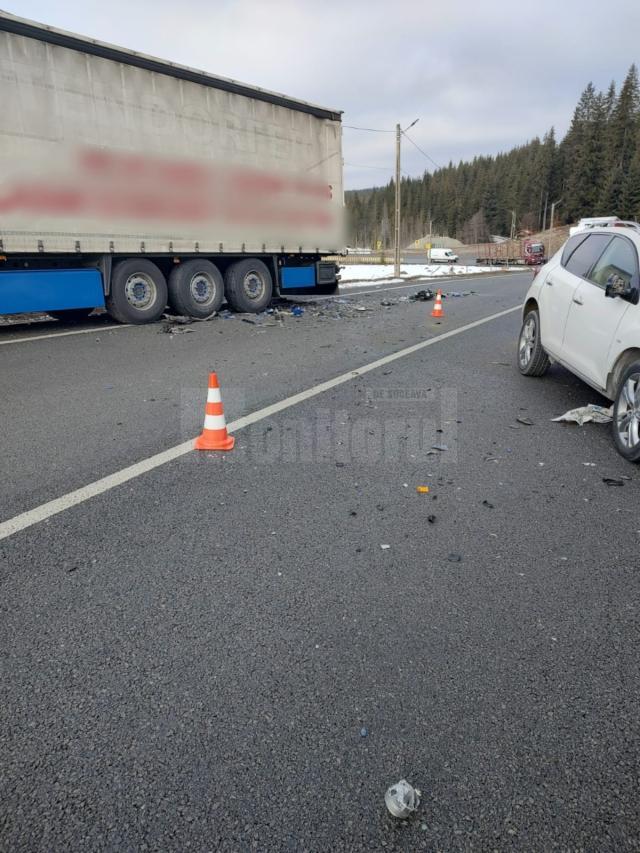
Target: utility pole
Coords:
[(396, 230), (553, 210), (544, 215)]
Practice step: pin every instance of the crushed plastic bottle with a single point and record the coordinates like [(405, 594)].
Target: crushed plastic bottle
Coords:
[(402, 799)]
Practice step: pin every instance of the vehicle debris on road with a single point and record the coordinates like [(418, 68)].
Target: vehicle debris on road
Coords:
[(422, 295), (175, 330), (177, 319), (584, 414), (402, 799)]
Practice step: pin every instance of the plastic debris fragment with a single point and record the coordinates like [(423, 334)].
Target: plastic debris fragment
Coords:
[(402, 799), (585, 414)]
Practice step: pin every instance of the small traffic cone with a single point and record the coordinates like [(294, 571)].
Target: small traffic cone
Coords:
[(214, 435), (437, 308)]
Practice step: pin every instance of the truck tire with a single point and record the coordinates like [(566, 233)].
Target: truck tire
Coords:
[(138, 292), (532, 359), (196, 288), (248, 286), (626, 414), (71, 315)]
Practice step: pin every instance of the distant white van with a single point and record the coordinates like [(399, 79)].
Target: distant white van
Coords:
[(444, 256)]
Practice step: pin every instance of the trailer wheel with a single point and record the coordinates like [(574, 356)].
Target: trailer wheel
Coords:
[(248, 286), (71, 315), (138, 292), (196, 288)]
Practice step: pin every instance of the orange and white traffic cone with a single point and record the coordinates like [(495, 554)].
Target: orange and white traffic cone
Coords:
[(214, 435), (437, 308)]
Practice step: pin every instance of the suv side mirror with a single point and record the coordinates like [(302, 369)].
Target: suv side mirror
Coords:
[(617, 286)]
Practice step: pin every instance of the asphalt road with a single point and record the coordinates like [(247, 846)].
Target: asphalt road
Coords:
[(219, 654)]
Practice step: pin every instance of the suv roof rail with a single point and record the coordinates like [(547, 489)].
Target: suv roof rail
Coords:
[(626, 223)]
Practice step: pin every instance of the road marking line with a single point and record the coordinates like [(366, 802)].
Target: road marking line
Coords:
[(98, 487), (95, 330)]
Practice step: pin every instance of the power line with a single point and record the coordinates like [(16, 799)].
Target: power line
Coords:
[(369, 129), (362, 166), (424, 153), (324, 160), (377, 168)]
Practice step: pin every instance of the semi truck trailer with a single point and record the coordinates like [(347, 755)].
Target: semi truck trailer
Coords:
[(131, 183)]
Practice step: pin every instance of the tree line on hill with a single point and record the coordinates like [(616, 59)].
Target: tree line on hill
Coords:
[(594, 170)]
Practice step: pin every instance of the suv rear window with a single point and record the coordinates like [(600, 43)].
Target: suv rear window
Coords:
[(570, 246), (585, 254)]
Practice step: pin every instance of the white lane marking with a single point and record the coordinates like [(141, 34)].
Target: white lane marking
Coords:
[(95, 330), (98, 487)]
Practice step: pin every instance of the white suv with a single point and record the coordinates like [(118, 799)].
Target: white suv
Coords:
[(582, 311)]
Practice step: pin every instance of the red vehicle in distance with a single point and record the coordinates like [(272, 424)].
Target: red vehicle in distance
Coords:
[(533, 252)]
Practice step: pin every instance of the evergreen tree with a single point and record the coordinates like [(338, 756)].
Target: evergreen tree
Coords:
[(621, 141), (631, 191), (586, 169)]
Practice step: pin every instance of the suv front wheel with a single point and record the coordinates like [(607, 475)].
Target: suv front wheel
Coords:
[(532, 359), (626, 414)]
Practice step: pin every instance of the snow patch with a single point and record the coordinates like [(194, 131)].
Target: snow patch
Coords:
[(359, 275)]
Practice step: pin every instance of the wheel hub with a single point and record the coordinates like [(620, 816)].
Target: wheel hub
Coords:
[(253, 285), (628, 412), (202, 288), (140, 291), (527, 341)]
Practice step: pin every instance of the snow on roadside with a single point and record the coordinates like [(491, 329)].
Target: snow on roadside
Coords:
[(359, 275)]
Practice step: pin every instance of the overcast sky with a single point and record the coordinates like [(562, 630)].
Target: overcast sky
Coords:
[(481, 75)]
